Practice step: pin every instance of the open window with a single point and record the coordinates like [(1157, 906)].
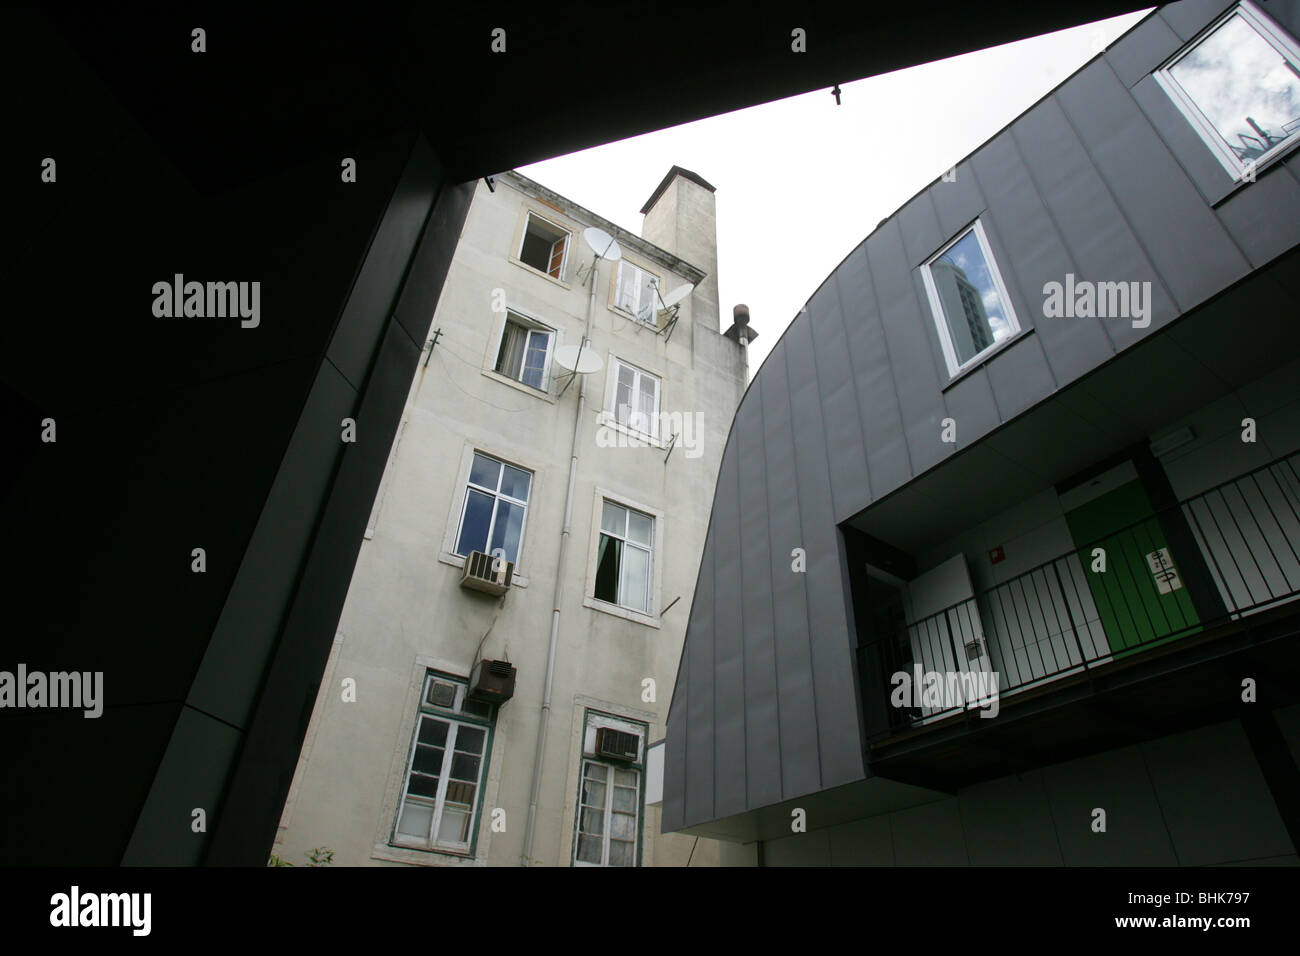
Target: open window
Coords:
[(637, 292), (525, 351), (1238, 84), (545, 246), (625, 557)]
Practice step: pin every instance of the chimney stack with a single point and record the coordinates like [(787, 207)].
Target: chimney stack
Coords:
[(681, 218)]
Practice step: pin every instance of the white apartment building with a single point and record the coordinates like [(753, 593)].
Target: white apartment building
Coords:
[(407, 760)]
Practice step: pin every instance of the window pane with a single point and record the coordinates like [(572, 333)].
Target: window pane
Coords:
[(589, 849), (625, 778), (613, 518), (595, 771), (973, 311), (621, 854), (428, 759), (464, 767), (607, 565), (647, 302), (1244, 88), (433, 732), (470, 739), (534, 365), (510, 358), (423, 786), (417, 818), (640, 528), (454, 827), (622, 826), (636, 579), (593, 822), (460, 793), (485, 471), (623, 393), (474, 530), (510, 524), (515, 482), (624, 800), (593, 794)]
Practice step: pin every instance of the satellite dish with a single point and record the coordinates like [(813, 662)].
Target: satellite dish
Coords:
[(602, 243), (580, 360), (681, 292)]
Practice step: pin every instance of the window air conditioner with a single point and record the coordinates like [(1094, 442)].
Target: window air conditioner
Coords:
[(483, 572), (617, 744)]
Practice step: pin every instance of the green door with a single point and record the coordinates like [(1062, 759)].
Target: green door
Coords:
[(1141, 599)]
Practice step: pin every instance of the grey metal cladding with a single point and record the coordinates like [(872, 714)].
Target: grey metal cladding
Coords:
[(1102, 178)]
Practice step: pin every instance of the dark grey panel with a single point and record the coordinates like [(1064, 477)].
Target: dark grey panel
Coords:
[(1190, 151), (728, 650), (973, 408), (1192, 16), (846, 457), (698, 655), (762, 720), (1286, 13), (799, 763), (1261, 215), (1143, 49), (957, 203), (918, 224), (1020, 376)]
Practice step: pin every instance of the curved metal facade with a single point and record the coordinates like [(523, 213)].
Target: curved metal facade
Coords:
[(1103, 178)]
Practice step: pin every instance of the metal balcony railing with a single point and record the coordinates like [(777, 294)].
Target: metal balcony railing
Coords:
[(1235, 552)]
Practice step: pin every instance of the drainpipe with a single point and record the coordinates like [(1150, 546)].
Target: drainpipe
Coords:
[(538, 757)]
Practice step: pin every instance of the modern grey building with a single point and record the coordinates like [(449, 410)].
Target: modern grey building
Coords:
[(1010, 576)]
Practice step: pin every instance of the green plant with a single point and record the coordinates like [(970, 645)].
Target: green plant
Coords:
[(320, 856)]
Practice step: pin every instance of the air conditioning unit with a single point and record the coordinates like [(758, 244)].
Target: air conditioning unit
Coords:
[(617, 744), (483, 572), (493, 682)]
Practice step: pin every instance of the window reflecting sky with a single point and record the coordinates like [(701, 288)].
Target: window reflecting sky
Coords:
[(1236, 73), (965, 254)]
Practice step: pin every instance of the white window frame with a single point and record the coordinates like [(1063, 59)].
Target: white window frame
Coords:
[(456, 719), (469, 484), (653, 318), (611, 767), (529, 215), (628, 543), (956, 367), (649, 618), (1272, 34), (611, 410), (532, 325)]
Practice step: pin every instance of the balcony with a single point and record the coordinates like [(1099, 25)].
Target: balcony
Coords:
[(1148, 629)]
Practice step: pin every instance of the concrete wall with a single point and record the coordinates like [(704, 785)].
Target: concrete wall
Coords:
[(1102, 178), (1158, 813), (405, 611)]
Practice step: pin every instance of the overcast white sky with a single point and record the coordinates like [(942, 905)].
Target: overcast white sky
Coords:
[(802, 181)]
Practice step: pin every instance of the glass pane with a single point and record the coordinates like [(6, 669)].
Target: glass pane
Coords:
[(454, 827), (640, 528), (474, 529), (428, 760), (613, 518), (485, 471), (423, 786), (464, 767), (433, 732), (624, 800), (608, 558), (589, 849), (595, 771), (973, 311), (621, 854), (593, 822), (636, 579), (470, 739), (509, 526), (648, 301), (460, 793), (623, 393), (417, 818), (535, 360), (515, 483), (593, 793), (625, 778), (622, 826), (1244, 87)]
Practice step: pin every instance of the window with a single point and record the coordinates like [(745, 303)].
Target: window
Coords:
[(969, 301), (1239, 87), (609, 804), (525, 351), (635, 399), (545, 246), (624, 557), (444, 774), (496, 501), (638, 292)]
